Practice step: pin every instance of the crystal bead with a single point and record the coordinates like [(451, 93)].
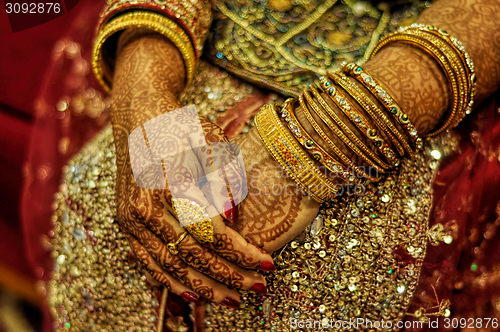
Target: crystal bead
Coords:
[(60, 259), (78, 233), (436, 154), (317, 226), (74, 271), (267, 306)]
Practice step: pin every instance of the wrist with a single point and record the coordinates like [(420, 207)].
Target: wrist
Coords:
[(149, 76), (415, 80)]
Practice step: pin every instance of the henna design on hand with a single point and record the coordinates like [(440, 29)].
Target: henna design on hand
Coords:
[(149, 75), (476, 24)]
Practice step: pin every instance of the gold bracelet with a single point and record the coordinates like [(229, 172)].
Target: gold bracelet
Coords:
[(342, 102), (396, 132), (317, 152), (454, 61), (348, 163), (386, 99), (428, 47), (370, 108), (286, 151), (467, 71), (339, 128), (142, 19), (359, 120)]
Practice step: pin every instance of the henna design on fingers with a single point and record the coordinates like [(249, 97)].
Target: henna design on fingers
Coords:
[(203, 290), (210, 264), (223, 245)]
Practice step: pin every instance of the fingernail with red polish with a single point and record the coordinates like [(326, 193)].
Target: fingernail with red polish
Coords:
[(190, 296), (266, 266), (259, 288), (231, 212), (231, 303)]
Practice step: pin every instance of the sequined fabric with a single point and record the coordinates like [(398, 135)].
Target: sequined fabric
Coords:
[(94, 283), (360, 258)]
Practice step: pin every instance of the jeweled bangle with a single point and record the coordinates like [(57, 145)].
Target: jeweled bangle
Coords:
[(397, 133), (462, 88), (142, 19), (317, 152), (439, 56), (375, 113), (359, 120), (347, 161), (460, 76), (286, 151), (341, 102), (340, 134), (467, 71), (386, 99)]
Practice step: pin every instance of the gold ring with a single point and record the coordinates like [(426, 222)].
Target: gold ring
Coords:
[(194, 219), (172, 247)]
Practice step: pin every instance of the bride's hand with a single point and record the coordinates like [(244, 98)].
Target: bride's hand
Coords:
[(275, 211), (169, 156)]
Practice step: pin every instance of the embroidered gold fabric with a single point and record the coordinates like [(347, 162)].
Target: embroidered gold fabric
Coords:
[(283, 44)]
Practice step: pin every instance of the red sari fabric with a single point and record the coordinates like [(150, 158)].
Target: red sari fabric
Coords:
[(40, 69), (467, 203)]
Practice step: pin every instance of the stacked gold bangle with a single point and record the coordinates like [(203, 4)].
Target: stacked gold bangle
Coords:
[(317, 152), (336, 131), (360, 122), (389, 103), (453, 59), (142, 19), (288, 153), (372, 110), (385, 124)]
